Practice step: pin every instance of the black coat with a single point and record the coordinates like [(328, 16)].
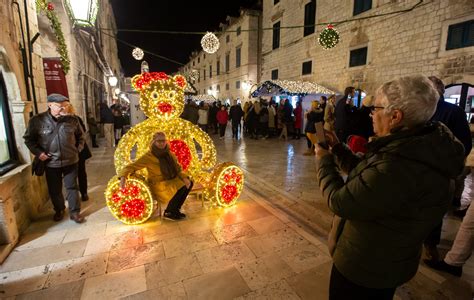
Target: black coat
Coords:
[(454, 118)]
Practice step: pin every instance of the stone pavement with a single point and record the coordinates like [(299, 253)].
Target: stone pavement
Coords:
[(271, 245)]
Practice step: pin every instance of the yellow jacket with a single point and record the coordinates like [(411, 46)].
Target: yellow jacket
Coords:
[(163, 189)]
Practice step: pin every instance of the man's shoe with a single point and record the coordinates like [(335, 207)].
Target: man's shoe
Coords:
[(58, 216), (172, 216), (85, 197), (76, 217), (444, 267), (181, 215)]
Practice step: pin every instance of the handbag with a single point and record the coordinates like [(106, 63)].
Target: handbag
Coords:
[(39, 166), (85, 153)]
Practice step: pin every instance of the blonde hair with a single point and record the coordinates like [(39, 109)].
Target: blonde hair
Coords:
[(314, 104), (368, 101)]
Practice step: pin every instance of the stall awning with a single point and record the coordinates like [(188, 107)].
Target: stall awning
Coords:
[(289, 88), (202, 97)]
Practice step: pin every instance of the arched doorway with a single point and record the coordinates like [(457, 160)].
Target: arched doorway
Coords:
[(461, 94)]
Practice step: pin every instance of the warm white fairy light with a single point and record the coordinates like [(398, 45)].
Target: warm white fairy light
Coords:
[(137, 53), (210, 43)]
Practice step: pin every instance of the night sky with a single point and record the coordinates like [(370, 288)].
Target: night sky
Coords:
[(202, 15)]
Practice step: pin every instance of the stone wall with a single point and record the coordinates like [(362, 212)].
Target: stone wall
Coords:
[(21, 195), (398, 45)]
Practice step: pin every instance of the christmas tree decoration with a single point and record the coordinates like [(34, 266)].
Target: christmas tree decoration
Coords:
[(329, 37), (137, 53), (210, 43), (162, 101), (48, 9)]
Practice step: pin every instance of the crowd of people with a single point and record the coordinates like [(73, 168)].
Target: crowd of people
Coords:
[(389, 171)]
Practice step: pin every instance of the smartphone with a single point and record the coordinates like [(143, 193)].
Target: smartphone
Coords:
[(320, 137)]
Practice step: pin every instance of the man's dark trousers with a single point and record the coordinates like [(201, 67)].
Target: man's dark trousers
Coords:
[(54, 179)]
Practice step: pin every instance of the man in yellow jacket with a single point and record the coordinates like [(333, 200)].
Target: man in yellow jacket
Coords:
[(166, 179)]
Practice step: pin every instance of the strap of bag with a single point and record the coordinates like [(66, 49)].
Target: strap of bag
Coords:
[(52, 136)]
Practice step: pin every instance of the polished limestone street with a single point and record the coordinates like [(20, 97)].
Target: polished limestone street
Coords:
[(271, 244)]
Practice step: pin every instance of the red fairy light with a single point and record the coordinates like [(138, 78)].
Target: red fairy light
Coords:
[(133, 208), (116, 197), (229, 192), (147, 78), (165, 107), (330, 26), (124, 190), (182, 152), (134, 191), (180, 81), (227, 177), (50, 6)]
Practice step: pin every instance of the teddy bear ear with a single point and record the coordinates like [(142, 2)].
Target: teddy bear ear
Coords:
[(180, 81), (137, 82)]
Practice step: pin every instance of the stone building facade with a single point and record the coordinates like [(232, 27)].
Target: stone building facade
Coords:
[(230, 72), (400, 44), (23, 196)]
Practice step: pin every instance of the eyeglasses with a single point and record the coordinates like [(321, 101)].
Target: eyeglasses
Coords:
[(56, 106), (374, 108)]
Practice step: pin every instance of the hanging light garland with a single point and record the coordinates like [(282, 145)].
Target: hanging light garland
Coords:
[(137, 53), (162, 101), (48, 9), (329, 37), (210, 43)]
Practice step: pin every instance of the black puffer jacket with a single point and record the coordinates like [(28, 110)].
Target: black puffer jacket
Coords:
[(393, 197), (66, 145)]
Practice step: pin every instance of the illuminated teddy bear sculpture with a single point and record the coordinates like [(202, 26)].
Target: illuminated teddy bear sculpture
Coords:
[(162, 101)]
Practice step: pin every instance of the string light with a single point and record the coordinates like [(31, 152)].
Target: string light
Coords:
[(230, 182), (329, 37), (162, 101), (133, 204), (287, 87), (137, 53), (210, 43)]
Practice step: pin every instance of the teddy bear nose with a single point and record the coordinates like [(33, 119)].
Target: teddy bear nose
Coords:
[(165, 107)]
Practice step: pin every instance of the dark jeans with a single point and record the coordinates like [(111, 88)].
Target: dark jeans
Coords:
[(54, 179), (235, 129), (93, 139), (342, 288), (222, 129), (82, 176), (178, 199)]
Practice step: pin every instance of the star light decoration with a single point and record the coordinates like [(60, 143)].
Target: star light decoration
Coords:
[(162, 101), (329, 37), (137, 53), (210, 43)]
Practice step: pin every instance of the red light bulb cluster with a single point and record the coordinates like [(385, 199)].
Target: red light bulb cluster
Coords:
[(229, 192), (133, 208), (165, 107), (182, 152)]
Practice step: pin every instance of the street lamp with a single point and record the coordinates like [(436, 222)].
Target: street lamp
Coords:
[(113, 81), (82, 12)]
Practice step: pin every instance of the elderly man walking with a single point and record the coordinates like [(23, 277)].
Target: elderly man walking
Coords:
[(56, 138)]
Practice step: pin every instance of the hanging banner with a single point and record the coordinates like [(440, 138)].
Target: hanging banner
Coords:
[(54, 77)]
